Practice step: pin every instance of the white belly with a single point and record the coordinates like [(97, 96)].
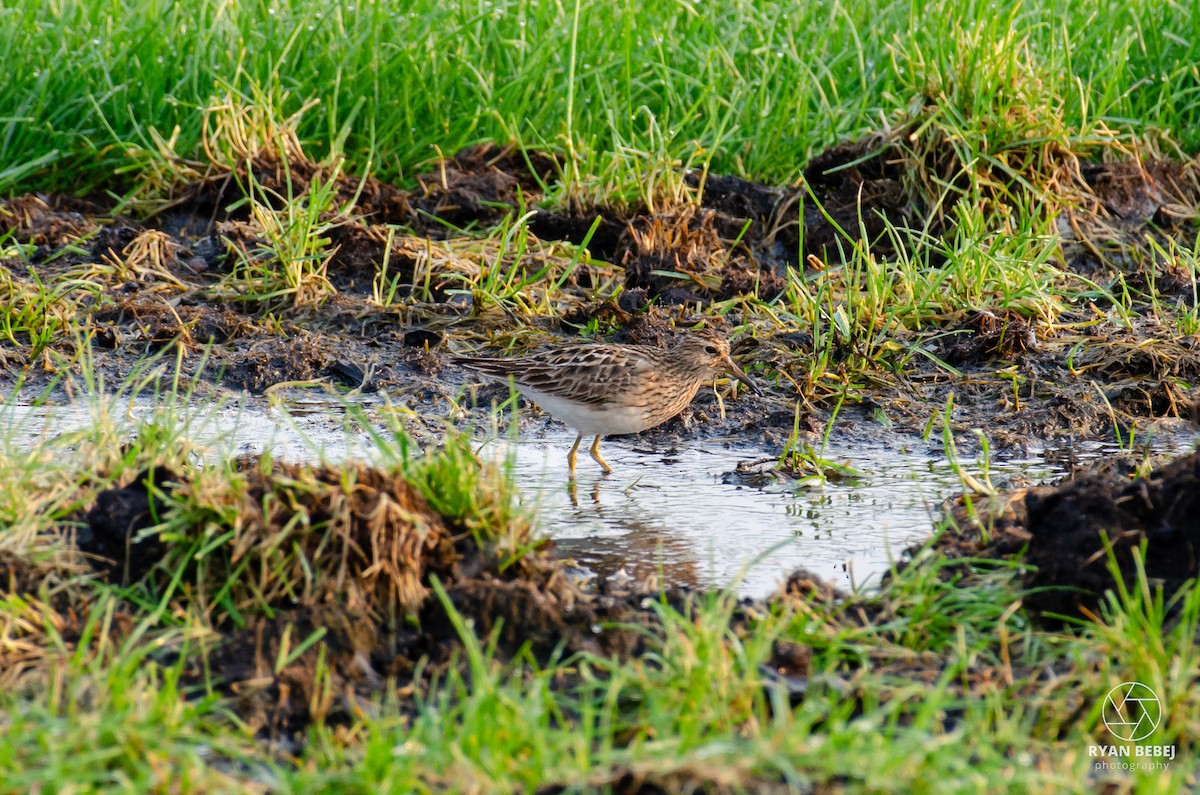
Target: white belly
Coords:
[(590, 420)]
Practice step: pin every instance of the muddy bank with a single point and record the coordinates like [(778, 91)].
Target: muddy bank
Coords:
[(409, 276), (342, 586), (1074, 533), (365, 565)]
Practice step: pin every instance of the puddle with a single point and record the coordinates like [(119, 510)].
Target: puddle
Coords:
[(669, 511), (664, 511)]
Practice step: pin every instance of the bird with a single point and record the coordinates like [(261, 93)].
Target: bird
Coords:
[(602, 389)]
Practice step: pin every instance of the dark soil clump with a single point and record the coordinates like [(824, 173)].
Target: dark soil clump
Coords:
[(1071, 528), (480, 185), (276, 360), (1068, 530), (49, 222), (112, 525), (988, 335), (158, 322), (349, 557), (860, 187), (604, 243), (682, 258)]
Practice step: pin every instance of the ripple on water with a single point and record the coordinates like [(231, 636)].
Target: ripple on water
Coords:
[(665, 511)]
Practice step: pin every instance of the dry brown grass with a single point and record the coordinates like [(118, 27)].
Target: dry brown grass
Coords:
[(360, 537)]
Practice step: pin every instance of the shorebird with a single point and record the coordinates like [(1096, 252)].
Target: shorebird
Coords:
[(606, 389)]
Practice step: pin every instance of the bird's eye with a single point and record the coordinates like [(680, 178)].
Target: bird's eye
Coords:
[(711, 350)]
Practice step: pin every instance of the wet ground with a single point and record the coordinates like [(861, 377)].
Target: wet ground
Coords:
[(700, 514), (354, 587), (180, 281), (680, 513), (172, 284), (166, 290)]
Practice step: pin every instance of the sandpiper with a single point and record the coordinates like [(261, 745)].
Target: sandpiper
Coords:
[(607, 389)]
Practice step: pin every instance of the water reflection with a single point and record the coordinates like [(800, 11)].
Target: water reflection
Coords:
[(671, 513)]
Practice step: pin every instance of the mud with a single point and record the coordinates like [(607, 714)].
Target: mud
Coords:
[(350, 558), (359, 584), (482, 184), (270, 362), (111, 531), (160, 285), (1074, 532), (987, 335), (360, 565), (157, 324)]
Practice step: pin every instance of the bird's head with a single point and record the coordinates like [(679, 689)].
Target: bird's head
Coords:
[(706, 353)]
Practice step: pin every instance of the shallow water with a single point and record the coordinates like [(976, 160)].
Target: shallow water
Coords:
[(665, 511), (670, 511)]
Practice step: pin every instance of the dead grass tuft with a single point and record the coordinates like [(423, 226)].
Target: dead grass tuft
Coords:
[(37, 605), (31, 219), (682, 255), (360, 537), (149, 257)]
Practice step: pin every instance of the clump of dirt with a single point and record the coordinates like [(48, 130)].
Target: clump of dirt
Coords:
[(112, 528), (276, 360), (743, 236), (602, 315), (347, 557), (604, 242), (805, 588), (51, 613), (358, 658), (359, 251), (652, 327), (1140, 352), (273, 180), (367, 539), (988, 335), (681, 258), (280, 703), (860, 186), (1068, 529), (1161, 509), (480, 185), (863, 187), (360, 537), (49, 222), (159, 322), (1123, 202)]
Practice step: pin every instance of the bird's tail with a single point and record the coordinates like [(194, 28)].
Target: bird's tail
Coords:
[(494, 368)]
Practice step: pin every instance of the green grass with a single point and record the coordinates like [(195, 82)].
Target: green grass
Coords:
[(97, 89), (939, 682), (289, 268), (990, 114), (880, 714), (111, 718)]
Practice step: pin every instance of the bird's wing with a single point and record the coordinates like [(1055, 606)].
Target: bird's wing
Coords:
[(594, 375)]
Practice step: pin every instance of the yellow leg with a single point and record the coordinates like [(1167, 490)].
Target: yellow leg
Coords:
[(599, 459), (571, 455)]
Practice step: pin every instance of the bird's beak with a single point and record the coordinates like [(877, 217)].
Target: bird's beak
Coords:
[(737, 373)]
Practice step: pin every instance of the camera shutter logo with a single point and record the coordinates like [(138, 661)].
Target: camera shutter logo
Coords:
[(1131, 711)]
